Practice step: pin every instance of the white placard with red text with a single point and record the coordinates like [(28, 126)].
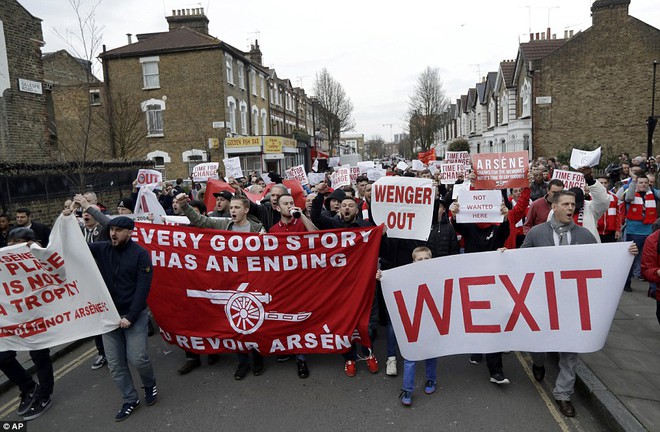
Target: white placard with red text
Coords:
[(404, 205), (536, 299), (52, 295), (571, 179), (203, 172), (147, 176), (449, 172), (479, 206), (341, 177), (297, 173), (355, 173)]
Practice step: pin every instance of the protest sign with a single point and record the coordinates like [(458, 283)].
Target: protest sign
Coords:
[(375, 174), (500, 170), (418, 165), (52, 295), (341, 177), (404, 205), (266, 179), (569, 178), (365, 166), (233, 167), (583, 158), (315, 165), (355, 173), (205, 171), (449, 172), (479, 206), (458, 187), (333, 162), (315, 178), (147, 202), (246, 291), (298, 173), (534, 299), (402, 166), (461, 157), (147, 176)]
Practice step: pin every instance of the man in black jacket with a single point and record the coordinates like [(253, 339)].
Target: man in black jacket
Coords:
[(126, 270), (41, 231)]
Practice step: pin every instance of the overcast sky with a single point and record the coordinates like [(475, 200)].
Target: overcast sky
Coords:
[(375, 49)]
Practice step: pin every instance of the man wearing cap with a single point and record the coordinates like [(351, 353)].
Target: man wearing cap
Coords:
[(222, 199), (125, 206), (35, 398), (127, 272)]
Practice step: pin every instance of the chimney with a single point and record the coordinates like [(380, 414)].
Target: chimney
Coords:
[(609, 11), (537, 36), (128, 36), (570, 34), (547, 33), (554, 36), (255, 53), (531, 37), (542, 36), (565, 34), (192, 18)]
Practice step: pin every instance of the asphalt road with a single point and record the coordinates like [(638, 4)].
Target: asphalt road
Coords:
[(209, 399)]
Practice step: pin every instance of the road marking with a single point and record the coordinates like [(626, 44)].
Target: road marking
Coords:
[(12, 405), (550, 404)]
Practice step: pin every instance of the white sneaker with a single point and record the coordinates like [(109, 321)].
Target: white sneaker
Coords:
[(390, 368)]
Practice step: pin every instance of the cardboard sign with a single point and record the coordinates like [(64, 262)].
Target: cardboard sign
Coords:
[(375, 174), (418, 165), (535, 299), (449, 172), (402, 166), (404, 205), (501, 170), (298, 173), (479, 206), (571, 179), (233, 167), (462, 157), (583, 158), (205, 171), (315, 178), (147, 176), (341, 178), (355, 173), (365, 166)]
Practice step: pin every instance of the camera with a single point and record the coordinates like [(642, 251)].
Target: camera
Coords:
[(296, 214)]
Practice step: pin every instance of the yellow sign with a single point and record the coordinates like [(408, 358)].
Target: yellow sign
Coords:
[(273, 144), (288, 142), (241, 142)]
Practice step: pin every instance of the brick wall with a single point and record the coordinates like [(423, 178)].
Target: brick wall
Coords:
[(600, 83), (22, 115)]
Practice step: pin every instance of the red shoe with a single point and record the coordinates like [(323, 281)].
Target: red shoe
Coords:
[(372, 364), (349, 368)]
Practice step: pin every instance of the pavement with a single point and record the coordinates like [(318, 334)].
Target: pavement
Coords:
[(621, 381)]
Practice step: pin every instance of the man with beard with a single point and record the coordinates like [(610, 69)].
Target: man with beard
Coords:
[(126, 270), (222, 199)]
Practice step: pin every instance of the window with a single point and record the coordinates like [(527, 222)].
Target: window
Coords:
[(252, 163), (95, 97), (159, 162), (150, 75), (153, 108), (253, 82), (255, 121), (244, 122), (526, 96), (193, 161), (263, 87), (241, 76), (229, 61), (264, 122), (231, 110)]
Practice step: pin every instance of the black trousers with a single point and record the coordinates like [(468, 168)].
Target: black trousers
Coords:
[(19, 376)]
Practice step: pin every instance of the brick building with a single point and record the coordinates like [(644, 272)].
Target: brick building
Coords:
[(23, 116), (596, 88)]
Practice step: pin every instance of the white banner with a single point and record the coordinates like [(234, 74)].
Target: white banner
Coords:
[(535, 299), (297, 173), (404, 205), (461, 157), (479, 206), (449, 172), (205, 171), (570, 178), (233, 167), (147, 202), (583, 158), (52, 295), (147, 176), (341, 177)]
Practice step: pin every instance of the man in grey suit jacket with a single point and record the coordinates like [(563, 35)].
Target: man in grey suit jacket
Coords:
[(561, 230)]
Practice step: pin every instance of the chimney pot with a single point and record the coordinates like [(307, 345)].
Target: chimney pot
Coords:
[(570, 34), (128, 36), (531, 37), (565, 34), (554, 35), (537, 36), (547, 34), (202, 9), (187, 11), (173, 12), (542, 36)]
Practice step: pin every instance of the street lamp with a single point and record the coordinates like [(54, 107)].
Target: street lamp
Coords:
[(652, 121)]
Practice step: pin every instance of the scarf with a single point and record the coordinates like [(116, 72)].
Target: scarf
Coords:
[(561, 229)]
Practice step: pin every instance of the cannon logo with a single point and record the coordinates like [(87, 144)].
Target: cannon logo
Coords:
[(245, 310)]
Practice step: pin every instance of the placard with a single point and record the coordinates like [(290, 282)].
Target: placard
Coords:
[(148, 176), (479, 206), (203, 172), (233, 167), (462, 157), (501, 170), (570, 178), (341, 177), (583, 158), (402, 166), (418, 165), (449, 172), (298, 173), (315, 178)]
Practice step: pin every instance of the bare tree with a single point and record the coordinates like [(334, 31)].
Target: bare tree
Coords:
[(126, 130), (336, 112), (425, 107), (375, 146)]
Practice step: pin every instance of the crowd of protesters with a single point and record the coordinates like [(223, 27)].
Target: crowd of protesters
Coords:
[(616, 205)]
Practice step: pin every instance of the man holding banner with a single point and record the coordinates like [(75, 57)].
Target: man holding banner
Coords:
[(561, 230)]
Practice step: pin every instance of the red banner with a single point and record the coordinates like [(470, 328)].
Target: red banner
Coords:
[(222, 291), (426, 156), (500, 170)]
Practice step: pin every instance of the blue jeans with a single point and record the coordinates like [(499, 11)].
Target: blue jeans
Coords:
[(409, 373), (636, 269), (129, 346)]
